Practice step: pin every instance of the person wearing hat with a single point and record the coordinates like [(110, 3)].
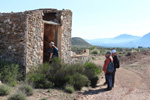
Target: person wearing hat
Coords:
[(116, 65), (53, 51), (108, 75)]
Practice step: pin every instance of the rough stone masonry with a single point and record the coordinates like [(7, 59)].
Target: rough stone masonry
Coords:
[(24, 36)]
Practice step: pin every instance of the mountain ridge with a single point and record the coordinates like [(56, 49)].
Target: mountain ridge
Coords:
[(123, 40), (79, 42)]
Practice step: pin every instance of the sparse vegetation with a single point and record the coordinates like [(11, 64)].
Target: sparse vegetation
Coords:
[(77, 80), (4, 90), (128, 54), (69, 88), (59, 74), (43, 99), (17, 96), (27, 89), (92, 71), (95, 51), (49, 90), (9, 72)]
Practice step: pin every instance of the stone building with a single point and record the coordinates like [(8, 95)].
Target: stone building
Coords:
[(24, 36)]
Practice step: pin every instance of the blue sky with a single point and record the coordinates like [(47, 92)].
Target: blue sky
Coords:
[(94, 18)]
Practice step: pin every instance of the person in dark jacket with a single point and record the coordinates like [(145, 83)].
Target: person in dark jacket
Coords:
[(53, 51), (116, 65)]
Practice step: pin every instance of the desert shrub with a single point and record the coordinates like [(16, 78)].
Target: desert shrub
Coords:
[(58, 74), (38, 76), (4, 90), (93, 58), (49, 90), (128, 54), (43, 99), (17, 96), (9, 72), (27, 89), (94, 81), (95, 51), (69, 88), (92, 71), (77, 80)]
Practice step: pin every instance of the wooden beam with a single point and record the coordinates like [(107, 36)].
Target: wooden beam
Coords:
[(50, 22)]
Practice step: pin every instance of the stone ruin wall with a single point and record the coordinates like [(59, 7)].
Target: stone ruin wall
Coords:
[(21, 37), (34, 39), (66, 21), (12, 37)]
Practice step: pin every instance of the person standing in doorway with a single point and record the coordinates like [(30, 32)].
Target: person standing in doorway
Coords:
[(116, 65), (53, 51), (108, 75)]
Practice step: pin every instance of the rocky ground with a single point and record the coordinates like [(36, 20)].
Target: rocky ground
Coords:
[(132, 83)]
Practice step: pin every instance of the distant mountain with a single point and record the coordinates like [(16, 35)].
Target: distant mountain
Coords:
[(144, 41), (126, 38), (123, 40), (79, 42)]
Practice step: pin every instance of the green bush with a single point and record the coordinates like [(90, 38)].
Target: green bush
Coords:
[(77, 80), (9, 72), (43, 99), (4, 90), (39, 76), (94, 81), (69, 88), (27, 89), (17, 96), (58, 74), (49, 90), (92, 71), (95, 51)]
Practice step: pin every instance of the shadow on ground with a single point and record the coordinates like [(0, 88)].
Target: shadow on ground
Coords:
[(93, 92)]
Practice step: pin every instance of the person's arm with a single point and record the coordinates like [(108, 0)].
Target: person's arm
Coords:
[(50, 58)]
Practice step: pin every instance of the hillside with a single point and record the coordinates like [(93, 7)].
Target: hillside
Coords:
[(79, 42), (123, 40)]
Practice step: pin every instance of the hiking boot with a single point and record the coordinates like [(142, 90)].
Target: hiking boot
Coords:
[(105, 83), (108, 89)]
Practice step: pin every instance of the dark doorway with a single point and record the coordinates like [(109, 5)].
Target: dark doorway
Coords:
[(50, 34)]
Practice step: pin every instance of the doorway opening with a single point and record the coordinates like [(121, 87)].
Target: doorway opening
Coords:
[(50, 34)]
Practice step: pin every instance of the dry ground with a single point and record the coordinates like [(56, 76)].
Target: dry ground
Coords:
[(132, 80), (132, 83)]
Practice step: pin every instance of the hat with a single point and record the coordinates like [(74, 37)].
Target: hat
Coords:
[(51, 43), (108, 52), (113, 51)]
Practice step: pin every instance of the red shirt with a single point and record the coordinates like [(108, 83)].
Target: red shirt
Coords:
[(106, 63)]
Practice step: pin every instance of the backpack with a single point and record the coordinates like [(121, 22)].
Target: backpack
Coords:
[(117, 63), (56, 52), (110, 67)]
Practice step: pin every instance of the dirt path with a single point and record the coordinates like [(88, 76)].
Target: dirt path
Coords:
[(131, 84)]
